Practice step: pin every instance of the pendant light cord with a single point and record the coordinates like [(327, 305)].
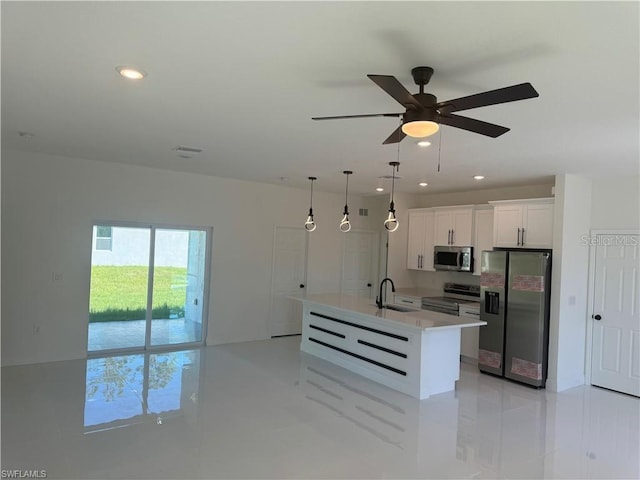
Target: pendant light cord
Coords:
[(311, 199), (346, 194)]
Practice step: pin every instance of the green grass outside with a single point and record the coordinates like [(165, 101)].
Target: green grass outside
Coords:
[(120, 292)]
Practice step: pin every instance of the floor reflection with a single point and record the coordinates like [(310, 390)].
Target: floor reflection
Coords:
[(128, 389)]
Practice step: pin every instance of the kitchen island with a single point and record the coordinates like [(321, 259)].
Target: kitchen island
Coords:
[(414, 352)]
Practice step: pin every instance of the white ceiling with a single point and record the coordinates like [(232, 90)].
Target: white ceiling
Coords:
[(242, 80)]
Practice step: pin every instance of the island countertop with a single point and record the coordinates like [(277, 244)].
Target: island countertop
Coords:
[(419, 319)]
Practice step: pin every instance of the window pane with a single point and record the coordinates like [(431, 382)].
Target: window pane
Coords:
[(118, 294)]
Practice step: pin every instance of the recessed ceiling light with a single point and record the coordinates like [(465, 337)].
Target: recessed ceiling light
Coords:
[(478, 177), (423, 143), (423, 184), (379, 189), (131, 73)]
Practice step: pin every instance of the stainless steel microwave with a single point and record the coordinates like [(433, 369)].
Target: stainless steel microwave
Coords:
[(455, 259)]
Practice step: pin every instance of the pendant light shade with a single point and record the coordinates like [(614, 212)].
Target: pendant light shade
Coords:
[(345, 225), (391, 223), (310, 224)]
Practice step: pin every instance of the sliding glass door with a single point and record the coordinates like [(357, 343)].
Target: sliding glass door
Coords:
[(148, 287), (178, 286)]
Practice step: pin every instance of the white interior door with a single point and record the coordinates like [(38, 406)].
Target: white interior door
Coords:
[(289, 277), (615, 360), (359, 262)]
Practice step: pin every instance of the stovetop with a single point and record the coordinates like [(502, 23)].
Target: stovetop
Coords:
[(455, 294)]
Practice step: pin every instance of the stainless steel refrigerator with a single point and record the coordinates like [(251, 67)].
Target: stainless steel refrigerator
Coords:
[(514, 301)]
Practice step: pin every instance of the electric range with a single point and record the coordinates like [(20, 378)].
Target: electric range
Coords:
[(454, 295)]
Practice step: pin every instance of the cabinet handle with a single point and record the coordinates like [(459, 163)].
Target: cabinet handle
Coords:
[(421, 260), (452, 242), (518, 242), (522, 241)]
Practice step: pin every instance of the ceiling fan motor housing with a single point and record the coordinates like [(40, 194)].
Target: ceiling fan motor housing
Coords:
[(420, 116), (426, 99)]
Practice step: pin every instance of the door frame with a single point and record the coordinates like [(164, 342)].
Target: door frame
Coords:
[(147, 347), (591, 290)]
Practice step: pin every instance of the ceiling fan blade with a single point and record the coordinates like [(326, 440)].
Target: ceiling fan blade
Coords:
[(473, 125), (393, 87), (360, 116), (395, 137), (492, 97)]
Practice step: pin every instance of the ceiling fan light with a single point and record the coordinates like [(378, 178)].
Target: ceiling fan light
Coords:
[(420, 128)]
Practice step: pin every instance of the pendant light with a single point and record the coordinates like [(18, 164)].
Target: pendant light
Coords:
[(310, 224), (391, 223), (345, 225)]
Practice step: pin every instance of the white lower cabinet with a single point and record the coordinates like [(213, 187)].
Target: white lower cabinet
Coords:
[(408, 301)]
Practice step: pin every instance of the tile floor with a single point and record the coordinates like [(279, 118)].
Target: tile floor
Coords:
[(264, 410)]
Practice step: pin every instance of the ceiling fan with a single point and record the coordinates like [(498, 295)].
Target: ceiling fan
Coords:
[(424, 113)]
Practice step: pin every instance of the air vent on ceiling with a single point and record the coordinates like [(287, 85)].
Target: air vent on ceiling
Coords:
[(363, 212), (389, 177)]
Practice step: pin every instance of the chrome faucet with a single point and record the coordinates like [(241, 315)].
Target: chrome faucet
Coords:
[(379, 301)]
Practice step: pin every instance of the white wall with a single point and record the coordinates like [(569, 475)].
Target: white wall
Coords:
[(479, 196), (615, 203), (569, 283), (49, 204)]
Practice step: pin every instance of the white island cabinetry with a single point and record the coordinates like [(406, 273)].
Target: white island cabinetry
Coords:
[(416, 352)]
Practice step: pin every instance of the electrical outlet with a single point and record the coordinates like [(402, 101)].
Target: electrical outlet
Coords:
[(56, 276), (36, 329)]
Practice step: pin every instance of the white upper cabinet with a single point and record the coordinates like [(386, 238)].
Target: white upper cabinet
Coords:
[(420, 242), (454, 226), (523, 223), (482, 235)]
